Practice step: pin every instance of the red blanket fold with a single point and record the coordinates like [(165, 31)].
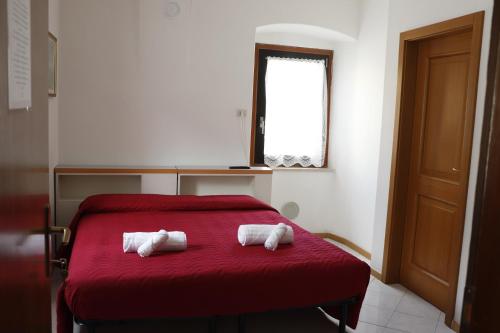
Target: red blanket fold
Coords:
[(214, 276)]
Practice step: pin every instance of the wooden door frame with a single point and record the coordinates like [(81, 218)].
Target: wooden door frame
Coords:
[(408, 52)]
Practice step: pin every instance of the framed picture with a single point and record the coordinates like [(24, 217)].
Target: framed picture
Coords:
[(52, 65)]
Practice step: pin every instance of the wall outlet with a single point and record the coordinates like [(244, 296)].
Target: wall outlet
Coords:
[(241, 113)]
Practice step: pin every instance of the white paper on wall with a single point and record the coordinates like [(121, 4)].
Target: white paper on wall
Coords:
[(19, 53)]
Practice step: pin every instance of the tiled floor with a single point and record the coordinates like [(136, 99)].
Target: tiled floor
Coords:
[(395, 309)]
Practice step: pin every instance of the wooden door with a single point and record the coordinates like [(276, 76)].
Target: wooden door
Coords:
[(24, 285), (439, 167)]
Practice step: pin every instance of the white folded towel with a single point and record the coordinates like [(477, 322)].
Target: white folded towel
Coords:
[(153, 243), (275, 236), (256, 234), (133, 240)]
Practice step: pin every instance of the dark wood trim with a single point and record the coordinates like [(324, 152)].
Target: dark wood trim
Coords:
[(322, 52), (402, 134), (480, 308), (285, 48), (54, 39), (254, 103)]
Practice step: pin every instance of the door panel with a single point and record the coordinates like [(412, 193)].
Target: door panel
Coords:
[(438, 168), (25, 287), (443, 127), (434, 227)]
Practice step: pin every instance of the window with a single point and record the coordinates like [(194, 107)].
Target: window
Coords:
[(291, 106)]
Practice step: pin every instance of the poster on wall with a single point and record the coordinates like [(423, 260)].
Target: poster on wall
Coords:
[(19, 53)]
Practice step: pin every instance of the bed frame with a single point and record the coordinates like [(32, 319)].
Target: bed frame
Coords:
[(91, 325)]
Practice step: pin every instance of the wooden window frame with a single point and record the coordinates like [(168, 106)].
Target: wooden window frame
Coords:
[(289, 51)]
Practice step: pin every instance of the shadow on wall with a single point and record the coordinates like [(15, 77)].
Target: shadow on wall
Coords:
[(299, 35)]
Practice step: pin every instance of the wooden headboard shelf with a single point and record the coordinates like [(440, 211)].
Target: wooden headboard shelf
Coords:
[(73, 183), (112, 170)]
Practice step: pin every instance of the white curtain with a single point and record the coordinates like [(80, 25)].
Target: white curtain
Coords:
[(296, 112)]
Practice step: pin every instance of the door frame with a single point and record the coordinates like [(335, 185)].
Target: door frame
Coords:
[(407, 68)]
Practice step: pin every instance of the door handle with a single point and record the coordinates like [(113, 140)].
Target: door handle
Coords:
[(51, 230), (66, 233), (455, 170), (48, 230)]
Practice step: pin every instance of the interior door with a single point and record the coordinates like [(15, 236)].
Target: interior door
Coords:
[(25, 287), (439, 168)]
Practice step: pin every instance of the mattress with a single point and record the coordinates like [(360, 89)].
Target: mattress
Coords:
[(214, 276)]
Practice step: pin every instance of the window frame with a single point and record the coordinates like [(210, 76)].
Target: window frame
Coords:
[(262, 51)]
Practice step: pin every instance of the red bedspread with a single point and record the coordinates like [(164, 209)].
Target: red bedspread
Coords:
[(214, 276)]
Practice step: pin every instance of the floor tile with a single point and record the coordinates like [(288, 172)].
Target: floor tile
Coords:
[(374, 315), (369, 328), (414, 305), (382, 299), (441, 326), (412, 324), (393, 289)]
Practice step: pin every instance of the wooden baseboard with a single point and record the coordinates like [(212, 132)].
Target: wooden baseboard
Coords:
[(455, 326), (353, 246), (346, 242), (376, 274)]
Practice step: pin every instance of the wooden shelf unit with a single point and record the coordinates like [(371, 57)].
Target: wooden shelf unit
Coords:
[(73, 183)]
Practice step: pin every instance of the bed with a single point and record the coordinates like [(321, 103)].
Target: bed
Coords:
[(215, 276)]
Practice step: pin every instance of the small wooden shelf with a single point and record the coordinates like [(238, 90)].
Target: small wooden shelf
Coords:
[(99, 169)]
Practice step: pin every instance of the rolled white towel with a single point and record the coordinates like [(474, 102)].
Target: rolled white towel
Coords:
[(133, 240), (275, 236), (153, 243), (256, 234)]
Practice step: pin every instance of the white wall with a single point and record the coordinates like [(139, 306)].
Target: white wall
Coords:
[(342, 200), (358, 151), (405, 15), (145, 89), (54, 7), (142, 88)]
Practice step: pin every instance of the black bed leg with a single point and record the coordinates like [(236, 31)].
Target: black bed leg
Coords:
[(343, 317), (89, 328), (212, 325), (241, 323)]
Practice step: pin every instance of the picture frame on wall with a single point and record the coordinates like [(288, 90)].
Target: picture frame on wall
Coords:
[(52, 65)]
